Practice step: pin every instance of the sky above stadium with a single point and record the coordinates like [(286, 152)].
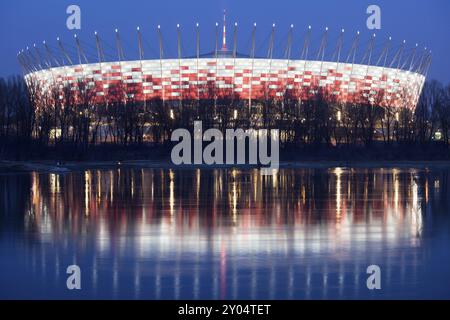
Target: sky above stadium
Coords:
[(25, 22)]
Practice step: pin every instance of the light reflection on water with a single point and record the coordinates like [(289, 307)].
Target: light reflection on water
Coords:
[(226, 234)]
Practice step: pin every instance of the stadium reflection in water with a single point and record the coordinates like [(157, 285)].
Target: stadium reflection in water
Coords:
[(233, 234)]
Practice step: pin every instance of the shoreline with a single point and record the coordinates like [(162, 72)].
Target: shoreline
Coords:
[(45, 166)]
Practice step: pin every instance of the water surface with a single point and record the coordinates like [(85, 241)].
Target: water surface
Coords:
[(226, 234)]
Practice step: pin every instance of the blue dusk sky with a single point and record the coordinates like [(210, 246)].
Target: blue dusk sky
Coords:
[(23, 23)]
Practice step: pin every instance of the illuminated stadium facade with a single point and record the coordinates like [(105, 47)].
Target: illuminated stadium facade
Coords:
[(209, 78), (226, 74)]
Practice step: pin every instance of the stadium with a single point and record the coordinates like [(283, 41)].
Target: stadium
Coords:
[(392, 78)]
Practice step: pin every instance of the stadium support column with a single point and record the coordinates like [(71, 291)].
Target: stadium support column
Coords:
[(179, 68), (287, 56), (28, 67), (31, 59), (216, 49), (368, 53), (352, 56), (368, 56), (46, 61), (404, 66), (120, 54), (22, 64), (235, 40), (26, 61), (411, 66), (26, 54), (61, 47), (252, 55), (35, 61), (287, 51), (121, 58), (40, 58), (50, 54), (305, 49), (81, 54), (269, 76), (99, 48), (384, 53), (217, 69), (140, 47), (410, 58), (321, 52), (161, 57), (198, 57), (430, 60), (271, 41), (234, 61), (422, 68), (338, 50), (413, 57), (304, 57), (397, 58), (101, 58), (141, 57), (80, 50), (428, 64), (383, 57), (66, 56)]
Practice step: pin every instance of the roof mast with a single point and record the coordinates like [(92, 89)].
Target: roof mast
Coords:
[(224, 36)]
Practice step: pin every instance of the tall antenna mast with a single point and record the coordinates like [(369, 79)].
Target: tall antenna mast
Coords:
[(224, 35)]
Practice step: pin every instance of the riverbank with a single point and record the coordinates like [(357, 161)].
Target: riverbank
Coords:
[(15, 167), (63, 159)]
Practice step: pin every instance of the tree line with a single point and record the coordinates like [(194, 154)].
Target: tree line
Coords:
[(79, 119)]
